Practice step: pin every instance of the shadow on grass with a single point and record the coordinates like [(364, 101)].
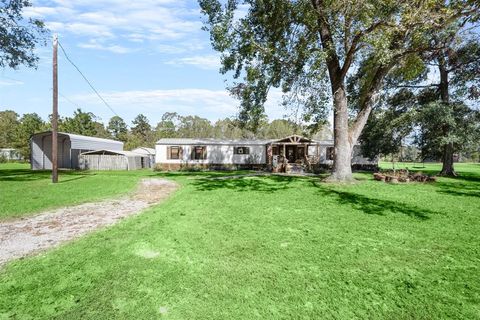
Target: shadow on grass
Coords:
[(461, 186), (78, 177), (374, 206), (30, 175), (263, 184)]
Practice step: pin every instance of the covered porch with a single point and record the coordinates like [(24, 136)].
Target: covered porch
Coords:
[(292, 154)]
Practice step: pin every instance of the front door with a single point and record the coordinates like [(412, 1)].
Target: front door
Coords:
[(291, 152)]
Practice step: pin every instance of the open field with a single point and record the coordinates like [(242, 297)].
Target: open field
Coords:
[(24, 192), (272, 247)]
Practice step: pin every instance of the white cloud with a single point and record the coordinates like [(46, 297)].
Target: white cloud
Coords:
[(141, 20), (80, 29), (185, 101), (204, 62), (211, 104), (10, 82), (39, 11), (111, 48)]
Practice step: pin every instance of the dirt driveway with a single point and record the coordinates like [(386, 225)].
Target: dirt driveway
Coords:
[(25, 236)]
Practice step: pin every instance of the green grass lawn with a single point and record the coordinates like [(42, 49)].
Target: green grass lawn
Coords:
[(24, 192), (267, 248)]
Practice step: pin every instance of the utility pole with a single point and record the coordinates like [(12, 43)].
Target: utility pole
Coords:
[(55, 113)]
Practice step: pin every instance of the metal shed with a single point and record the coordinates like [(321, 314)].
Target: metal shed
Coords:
[(112, 160), (69, 148), (150, 152)]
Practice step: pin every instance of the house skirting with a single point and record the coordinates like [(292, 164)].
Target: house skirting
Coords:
[(207, 166), (320, 167)]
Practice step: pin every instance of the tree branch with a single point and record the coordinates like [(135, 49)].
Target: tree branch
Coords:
[(350, 53), (367, 101), (417, 86), (332, 59)]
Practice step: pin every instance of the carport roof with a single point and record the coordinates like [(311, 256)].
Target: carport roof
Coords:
[(79, 137)]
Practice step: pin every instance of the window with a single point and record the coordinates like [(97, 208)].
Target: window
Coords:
[(300, 152), (241, 150), (174, 153), (199, 153), (275, 151), (330, 153)]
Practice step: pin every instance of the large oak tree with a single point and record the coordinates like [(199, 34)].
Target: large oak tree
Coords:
[(310, 49), (19, 36)]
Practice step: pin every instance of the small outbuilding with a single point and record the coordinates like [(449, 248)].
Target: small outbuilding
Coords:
[(10, 154), (70, 146), (150, 152), (112, 160)]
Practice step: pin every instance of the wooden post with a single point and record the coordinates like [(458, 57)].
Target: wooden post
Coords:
[(55, 113)]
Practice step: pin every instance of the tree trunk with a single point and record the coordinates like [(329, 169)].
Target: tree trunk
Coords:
[(447, 161), (448, 149), (342, 165)]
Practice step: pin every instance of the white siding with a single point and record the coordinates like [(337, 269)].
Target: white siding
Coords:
[(216, 154), (322, 150)]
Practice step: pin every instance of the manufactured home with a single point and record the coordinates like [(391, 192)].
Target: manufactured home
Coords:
[(70, 146), (290, 154)]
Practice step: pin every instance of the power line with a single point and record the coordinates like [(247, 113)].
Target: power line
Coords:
[(8, 78), (73, 103), (85, 78)]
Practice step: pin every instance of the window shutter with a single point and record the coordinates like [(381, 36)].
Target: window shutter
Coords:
[(204, 152), (192, 154), (168, 153), (180, 153)]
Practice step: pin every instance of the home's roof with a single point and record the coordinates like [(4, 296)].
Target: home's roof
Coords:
[(114, 152), (208, 141), (144, 150)]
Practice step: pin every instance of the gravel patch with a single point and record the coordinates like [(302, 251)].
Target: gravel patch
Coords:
[(25, 236)]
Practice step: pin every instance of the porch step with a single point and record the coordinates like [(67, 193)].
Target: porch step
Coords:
[(295, 168)]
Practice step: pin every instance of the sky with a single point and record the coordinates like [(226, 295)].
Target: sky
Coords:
[(143, 56)]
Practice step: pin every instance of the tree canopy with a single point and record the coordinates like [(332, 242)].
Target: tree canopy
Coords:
[(19, 36), (436, 106), (310, 49)]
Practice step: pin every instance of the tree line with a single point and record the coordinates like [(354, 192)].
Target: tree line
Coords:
[(388, 70), (16, 130)]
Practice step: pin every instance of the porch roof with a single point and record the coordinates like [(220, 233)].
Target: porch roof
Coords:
[(297, 139)]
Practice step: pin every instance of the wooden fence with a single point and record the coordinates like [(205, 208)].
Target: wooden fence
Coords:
[(103, 162)]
